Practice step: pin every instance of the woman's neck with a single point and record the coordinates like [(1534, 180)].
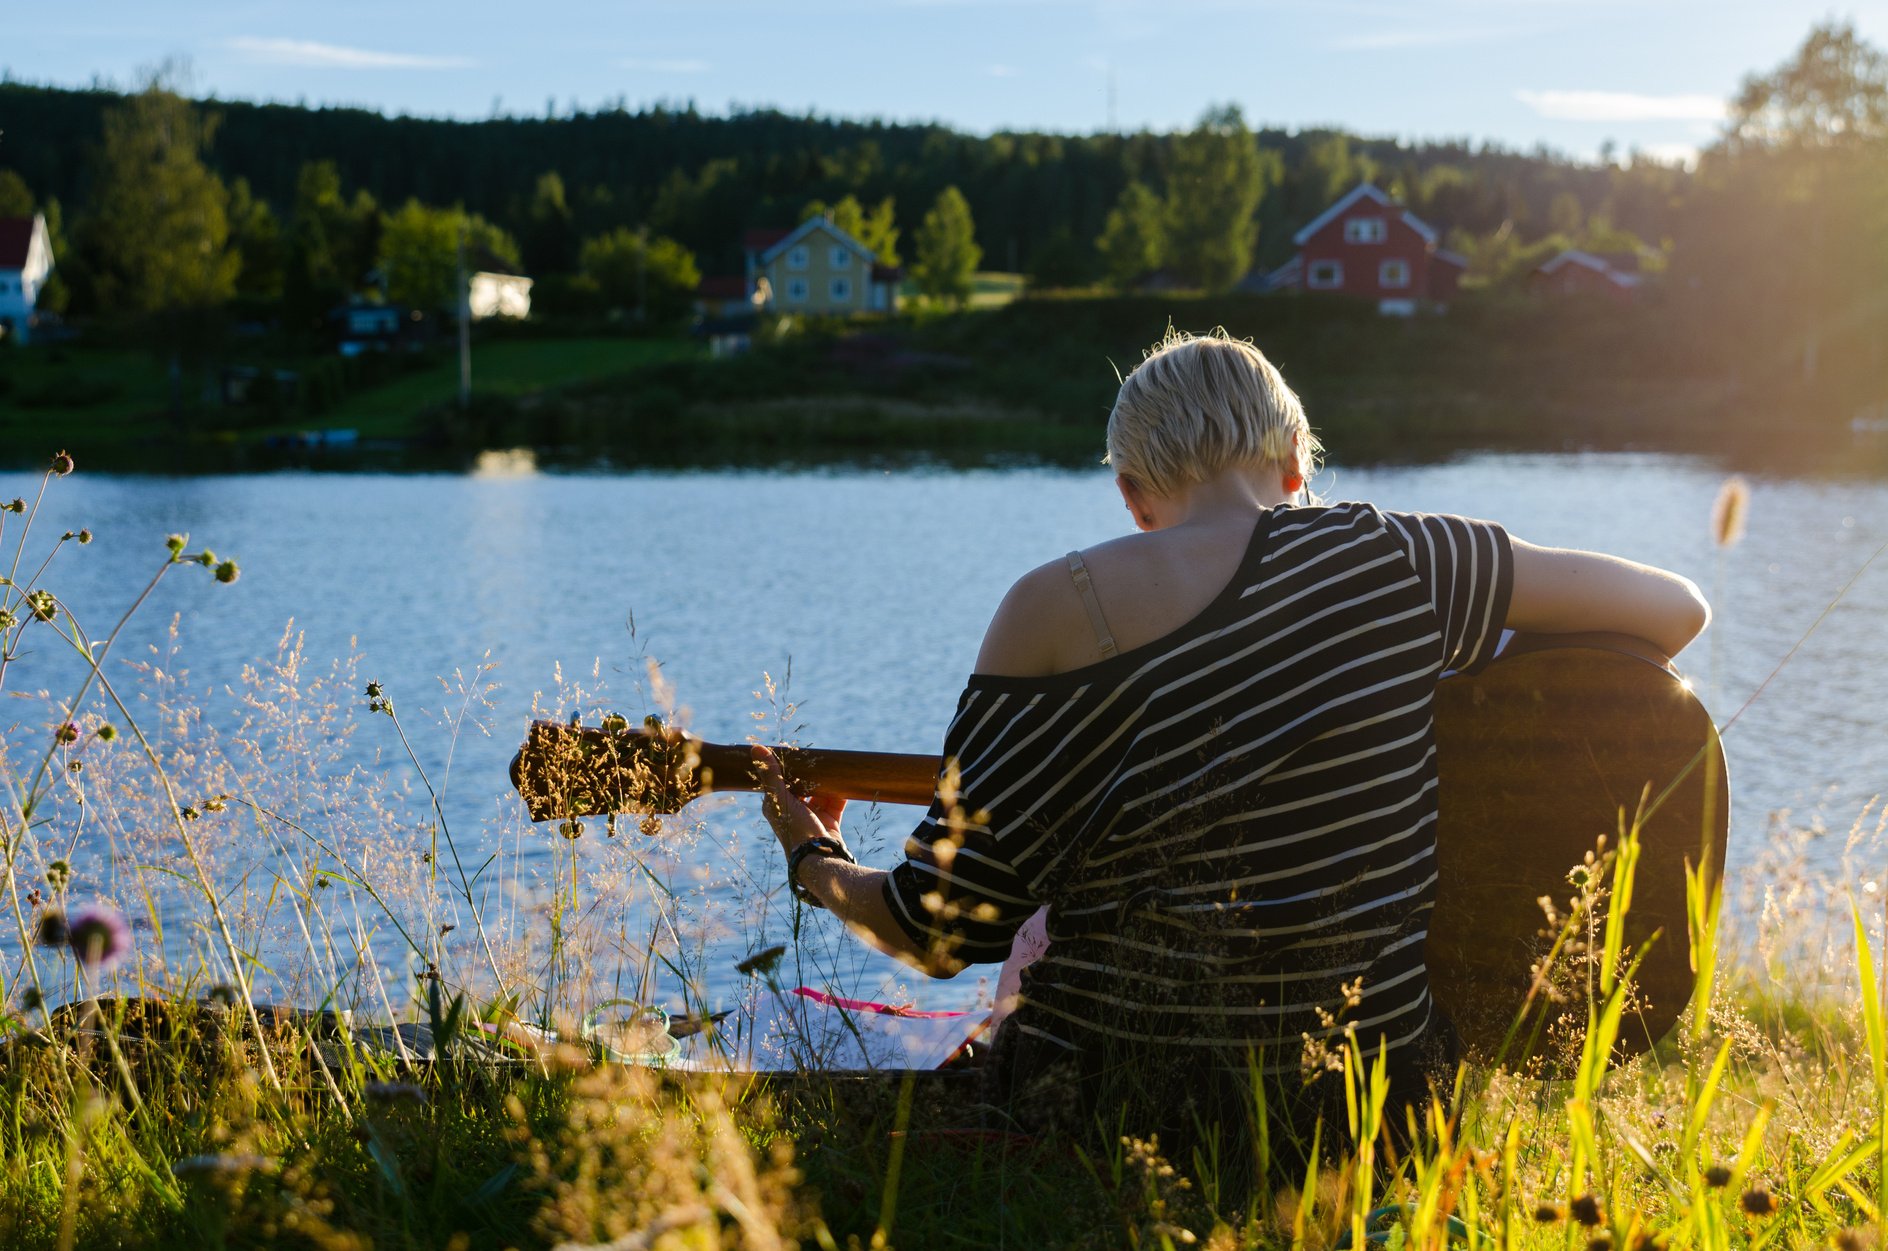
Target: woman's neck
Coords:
[(1233, 493)]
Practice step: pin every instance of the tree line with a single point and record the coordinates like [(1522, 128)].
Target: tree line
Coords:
[(159, 201)]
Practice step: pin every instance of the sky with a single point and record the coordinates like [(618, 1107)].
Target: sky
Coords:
[(1645, 75)]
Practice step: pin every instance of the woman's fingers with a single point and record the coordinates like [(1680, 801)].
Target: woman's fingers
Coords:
[(786, 808), (828, 808)]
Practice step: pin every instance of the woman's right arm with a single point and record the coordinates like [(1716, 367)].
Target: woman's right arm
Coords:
[(1561, 591)]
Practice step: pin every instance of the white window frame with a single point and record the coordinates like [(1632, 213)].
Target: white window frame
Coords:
[(798, 258), (839, 290), (841, 257), (1334, 280), (796, 290), (1384, 269), (1365, 230)]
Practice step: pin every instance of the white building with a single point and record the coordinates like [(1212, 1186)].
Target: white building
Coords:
[(499, 295), (25, 264)]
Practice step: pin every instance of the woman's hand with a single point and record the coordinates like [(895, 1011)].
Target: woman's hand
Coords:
[(795, 818), (852, 892)]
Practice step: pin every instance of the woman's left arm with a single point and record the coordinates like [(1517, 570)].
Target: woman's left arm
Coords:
[(852, 892)]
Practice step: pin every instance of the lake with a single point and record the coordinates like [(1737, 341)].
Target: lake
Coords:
[(871, 588)]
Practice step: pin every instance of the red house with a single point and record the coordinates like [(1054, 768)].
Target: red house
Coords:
[(1367, 245)]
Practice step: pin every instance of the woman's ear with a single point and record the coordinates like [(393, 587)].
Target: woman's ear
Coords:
[(1135, 496)]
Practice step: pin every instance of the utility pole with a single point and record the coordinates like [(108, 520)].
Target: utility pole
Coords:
[(464, 288), (642, 274)]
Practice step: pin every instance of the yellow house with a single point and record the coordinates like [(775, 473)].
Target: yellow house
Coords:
[(819, 269)]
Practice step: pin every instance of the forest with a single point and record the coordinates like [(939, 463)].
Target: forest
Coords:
[(173, 219)]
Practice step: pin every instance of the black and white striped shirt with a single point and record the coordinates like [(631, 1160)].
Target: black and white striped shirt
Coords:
[(1234, 822)]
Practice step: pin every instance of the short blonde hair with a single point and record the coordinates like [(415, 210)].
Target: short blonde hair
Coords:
[(1200, 403)]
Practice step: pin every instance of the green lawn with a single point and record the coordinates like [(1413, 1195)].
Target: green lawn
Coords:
[(989, 289), (96, 396), (49, 394), (507, 368)]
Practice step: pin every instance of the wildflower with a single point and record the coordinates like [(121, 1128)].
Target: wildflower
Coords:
[(62, 465), (1599, 1242), (1850, 1240), (227, 572), (1717, 1177), (206, 558), (58, 873), (1758, 1202), (1648, 1242), (761, 962), (44, 606), (99, 936), (175, 542), (85, 536), (67, 733), (1586, 1210), (188, 813), (17, 506), (31, 1000), (1729, 510), (107, 732), (51, 930)]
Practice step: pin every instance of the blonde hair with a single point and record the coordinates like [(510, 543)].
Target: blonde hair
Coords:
[(1200, 403)]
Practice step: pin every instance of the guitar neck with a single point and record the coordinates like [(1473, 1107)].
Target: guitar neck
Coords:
[(874, 776)]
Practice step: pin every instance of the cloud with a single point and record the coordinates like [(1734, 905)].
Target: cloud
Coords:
[(334, 56), (999, 71), (1622, 106), (1381, 40), (656, 65)]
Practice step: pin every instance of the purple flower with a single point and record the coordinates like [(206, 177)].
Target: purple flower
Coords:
[(99, 936)]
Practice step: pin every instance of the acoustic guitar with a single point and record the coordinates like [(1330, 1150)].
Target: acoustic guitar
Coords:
[(1555, 749)]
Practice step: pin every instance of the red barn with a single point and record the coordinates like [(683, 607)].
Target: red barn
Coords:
[(1367, 245), (1576, 272)]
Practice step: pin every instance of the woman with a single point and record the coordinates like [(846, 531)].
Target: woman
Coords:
[(1208, 750)]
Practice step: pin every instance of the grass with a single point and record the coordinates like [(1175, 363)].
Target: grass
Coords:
[(100, 399), (1763, 1122), (501, 368), (111, 391)]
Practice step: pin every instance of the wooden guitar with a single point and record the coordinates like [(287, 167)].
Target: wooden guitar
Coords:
[(1561, 741)]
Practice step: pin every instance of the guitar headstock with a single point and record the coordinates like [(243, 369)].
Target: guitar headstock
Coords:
[(566, 771)]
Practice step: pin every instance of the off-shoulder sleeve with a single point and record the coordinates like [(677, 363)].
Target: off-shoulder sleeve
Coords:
[(966, 883), (1467, 568)]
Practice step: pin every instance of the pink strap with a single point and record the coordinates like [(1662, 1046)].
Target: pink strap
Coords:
[(862, 1005)]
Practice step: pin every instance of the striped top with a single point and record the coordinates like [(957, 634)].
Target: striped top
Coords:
[(1235, 822)]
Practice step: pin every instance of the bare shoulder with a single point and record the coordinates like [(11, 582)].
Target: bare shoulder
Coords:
[(1029, 633)]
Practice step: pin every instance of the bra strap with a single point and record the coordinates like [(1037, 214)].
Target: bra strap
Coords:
[(1079, 572)]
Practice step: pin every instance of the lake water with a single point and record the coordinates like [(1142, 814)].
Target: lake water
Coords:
[(874, 587)]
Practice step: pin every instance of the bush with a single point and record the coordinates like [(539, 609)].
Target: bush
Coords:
[(70, 390)]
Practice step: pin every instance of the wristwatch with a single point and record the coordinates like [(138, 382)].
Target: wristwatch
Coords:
[(819, 845)]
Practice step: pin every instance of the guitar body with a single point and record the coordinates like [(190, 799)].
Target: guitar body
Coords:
[(1560, 742), (1557, 743)]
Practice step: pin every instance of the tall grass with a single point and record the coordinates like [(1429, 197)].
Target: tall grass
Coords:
[(290, 851)]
